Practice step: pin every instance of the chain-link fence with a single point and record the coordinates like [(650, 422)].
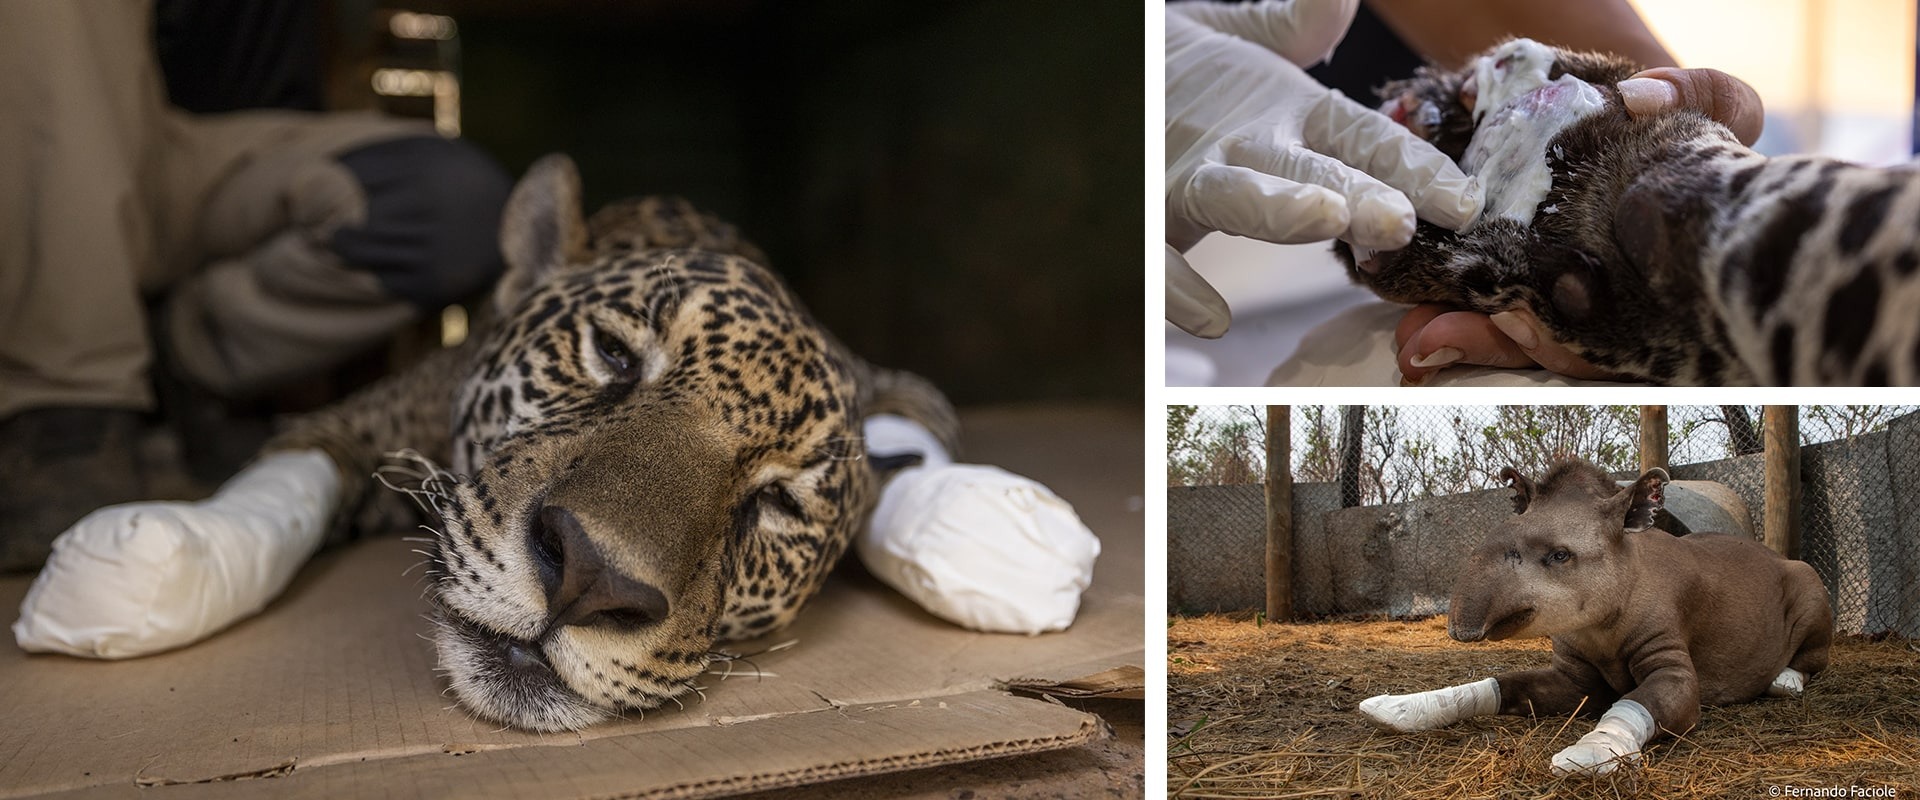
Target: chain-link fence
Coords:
[(1859, 517)]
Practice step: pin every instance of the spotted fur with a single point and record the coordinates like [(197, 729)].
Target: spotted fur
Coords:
[(1667, 251), (649, 377)]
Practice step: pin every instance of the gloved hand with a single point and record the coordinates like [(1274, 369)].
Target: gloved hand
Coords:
[(1256, 147)]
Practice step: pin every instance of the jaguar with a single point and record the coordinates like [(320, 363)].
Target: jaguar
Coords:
[(650, 448)]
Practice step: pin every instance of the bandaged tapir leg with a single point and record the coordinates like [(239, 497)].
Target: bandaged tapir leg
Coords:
[(1789, 683), (1423, 711), (1616, 740)]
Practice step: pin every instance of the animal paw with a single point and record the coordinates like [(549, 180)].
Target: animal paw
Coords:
[(1789, 683)]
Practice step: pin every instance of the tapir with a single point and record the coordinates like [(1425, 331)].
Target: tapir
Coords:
[(1646, 626)]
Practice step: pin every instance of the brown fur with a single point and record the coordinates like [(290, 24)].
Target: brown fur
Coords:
[(1634, 612)]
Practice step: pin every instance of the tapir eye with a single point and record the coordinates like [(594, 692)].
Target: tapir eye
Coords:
[(1560, 556), (615, 355)]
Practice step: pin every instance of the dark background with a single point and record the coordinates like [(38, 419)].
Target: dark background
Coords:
[(953, 188)]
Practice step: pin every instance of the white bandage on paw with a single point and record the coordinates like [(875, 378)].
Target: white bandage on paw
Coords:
[(1439, 708), (975, 545), (1614, 741), (139, 578), (1789, 683)]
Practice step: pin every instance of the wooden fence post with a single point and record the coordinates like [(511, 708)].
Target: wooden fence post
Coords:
[(1353, 420), (1279, 514), (1653, 437), (1781, 516)]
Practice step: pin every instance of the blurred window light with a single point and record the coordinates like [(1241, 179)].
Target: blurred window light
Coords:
[(1837, 76), (413, 25), (405, 82)]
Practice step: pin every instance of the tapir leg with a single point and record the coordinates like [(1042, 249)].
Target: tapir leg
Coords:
[(1667, 700), (1809, 619), (1560, 689)]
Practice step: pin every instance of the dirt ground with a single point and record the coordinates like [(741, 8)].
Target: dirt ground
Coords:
[(1267, 710)]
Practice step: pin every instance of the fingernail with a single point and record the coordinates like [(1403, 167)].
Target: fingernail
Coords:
[(1516, 329), (1645, 96), (1439, 358)]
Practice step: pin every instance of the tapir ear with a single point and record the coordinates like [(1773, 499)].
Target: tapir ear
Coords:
[(1644, 499), (541, 230), (1522, 489)]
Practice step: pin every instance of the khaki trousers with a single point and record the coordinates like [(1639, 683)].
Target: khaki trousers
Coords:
[(109, 196)]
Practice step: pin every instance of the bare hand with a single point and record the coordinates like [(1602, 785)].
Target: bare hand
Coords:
[(1432, 336)]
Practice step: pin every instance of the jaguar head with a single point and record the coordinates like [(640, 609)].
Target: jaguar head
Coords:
[(658, 450)]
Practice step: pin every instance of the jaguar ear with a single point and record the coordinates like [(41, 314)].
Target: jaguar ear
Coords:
[(541, 230)]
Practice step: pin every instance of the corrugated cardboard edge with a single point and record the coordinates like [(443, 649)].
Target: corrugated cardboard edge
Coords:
[(1126, 682), (845, 742)]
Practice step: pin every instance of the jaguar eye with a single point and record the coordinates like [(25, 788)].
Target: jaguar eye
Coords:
[(783, 501), (1560, 556), (615, 355)]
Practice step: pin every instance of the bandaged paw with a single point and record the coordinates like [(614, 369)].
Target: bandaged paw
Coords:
[(1435, 709), (140, 578), (1789, 683), (1616, 740), (975, 545)]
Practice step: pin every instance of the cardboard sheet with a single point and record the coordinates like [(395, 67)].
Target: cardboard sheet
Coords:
[(331, 692)]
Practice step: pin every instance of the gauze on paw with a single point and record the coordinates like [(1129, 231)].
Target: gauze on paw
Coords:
[(1422, 711), (1615, 740), (975, 545), (1789, 683), (139, 578)]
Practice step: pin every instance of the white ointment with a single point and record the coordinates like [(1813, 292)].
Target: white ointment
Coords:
[(1518, 112)]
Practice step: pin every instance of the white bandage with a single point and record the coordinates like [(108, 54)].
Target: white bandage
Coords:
[(1789, 683), (1428, 710), (974, 545), (139, 578), (1616, 740)]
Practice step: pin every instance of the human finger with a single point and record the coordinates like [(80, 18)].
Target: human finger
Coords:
[(1390, 153), (1458, 337), (1722, 97), (1378, 215), (1526, 332), (1248, 202), (1193, 304)]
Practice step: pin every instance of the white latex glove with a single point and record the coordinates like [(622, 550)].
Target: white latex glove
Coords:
[(139, 578), (1257, 148), (1614, 741), (978, 546)]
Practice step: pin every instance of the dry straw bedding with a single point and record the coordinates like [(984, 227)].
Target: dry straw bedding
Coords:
[(1268, 711)]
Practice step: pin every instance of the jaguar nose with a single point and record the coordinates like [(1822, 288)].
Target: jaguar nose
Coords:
[(524, 657), (582, 588)]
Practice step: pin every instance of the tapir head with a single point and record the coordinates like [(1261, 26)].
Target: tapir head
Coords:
[(1559, 563)]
